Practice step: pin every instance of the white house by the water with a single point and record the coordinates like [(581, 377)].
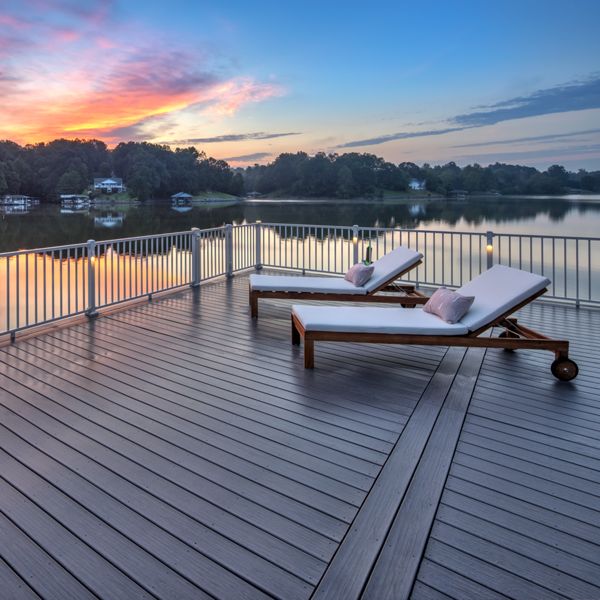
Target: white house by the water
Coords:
[(109, 185), (416, 184)]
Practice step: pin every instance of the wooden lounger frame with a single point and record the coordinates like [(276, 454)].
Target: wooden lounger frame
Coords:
[(409, 295), (515, 336)]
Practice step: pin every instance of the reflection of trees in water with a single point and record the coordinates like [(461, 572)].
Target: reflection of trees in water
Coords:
[(45, 226)]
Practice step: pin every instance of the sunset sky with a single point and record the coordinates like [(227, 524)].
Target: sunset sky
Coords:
[(244, 81)]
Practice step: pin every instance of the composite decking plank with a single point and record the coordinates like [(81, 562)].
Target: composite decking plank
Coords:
[(168, 425), (233, 556), (523, 490), (283, 407), (521, 519), (421, 591), (535, 409), (348, 571), (499, 497), (520, 434), (180, 570), (108, 574), (509, 446), (549, 423), (33, 569), (395, 571), (513, 460), (241, 399), (553, 431), (268, 354), (527, 493), (205, 459), (230, 510), (424, 357), (534, 403), (271, 328), (197, 404), (334, 402), (518, 563), (587, 503), (453, 584), (568, 565), (274, 441), (406, 363), (486, 574)]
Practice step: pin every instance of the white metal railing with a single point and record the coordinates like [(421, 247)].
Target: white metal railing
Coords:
[(43, 285)]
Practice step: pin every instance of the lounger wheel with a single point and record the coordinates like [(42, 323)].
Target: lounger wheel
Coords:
[(564, 369)]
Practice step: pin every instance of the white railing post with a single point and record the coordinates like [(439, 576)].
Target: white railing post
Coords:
[(489, 248), (91, 311), (229, 250), (355, 243), (258, 232), (195, 275)]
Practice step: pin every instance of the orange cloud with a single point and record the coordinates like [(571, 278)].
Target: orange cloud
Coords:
[(68, 79), (86, 102)]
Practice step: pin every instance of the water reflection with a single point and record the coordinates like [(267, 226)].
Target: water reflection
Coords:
[(46, 225)]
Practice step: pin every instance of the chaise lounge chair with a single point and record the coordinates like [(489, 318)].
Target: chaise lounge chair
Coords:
[(387, 269), (498, 293)]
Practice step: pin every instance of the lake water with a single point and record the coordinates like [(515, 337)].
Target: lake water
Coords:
[(45, 225)]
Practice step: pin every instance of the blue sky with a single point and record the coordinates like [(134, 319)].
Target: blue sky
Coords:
[(422, 82)]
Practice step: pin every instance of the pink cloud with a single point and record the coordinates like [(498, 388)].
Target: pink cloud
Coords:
[(234, 94), (105, 82)]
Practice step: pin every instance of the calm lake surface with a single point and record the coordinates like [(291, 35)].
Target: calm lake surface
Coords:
[(45, 225)]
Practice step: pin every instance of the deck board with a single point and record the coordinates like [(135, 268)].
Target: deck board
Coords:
[(180, 449)]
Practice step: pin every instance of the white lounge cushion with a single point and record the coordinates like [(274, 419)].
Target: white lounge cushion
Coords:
[(289, 283), (374, 320), (392, 263), (496, 291)]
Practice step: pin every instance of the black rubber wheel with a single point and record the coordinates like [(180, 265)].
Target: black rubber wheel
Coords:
[(564, 369)]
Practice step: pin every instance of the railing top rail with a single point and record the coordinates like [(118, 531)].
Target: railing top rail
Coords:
[(42, 250), (144, 237)]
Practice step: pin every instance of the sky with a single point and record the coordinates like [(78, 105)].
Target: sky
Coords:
[(464, 81)]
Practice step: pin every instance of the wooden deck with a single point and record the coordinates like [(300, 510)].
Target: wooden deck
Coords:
[(180, 450)]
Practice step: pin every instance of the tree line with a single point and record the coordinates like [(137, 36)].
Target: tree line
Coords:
[(46, 170), (353, 174)]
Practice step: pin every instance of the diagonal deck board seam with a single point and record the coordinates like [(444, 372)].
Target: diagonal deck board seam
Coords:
[(407, 537), (349, 569)]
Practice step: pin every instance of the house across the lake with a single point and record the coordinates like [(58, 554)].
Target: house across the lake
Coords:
[(109, 185), (16, 200), (416, 184), (74, 199), (181, 198)]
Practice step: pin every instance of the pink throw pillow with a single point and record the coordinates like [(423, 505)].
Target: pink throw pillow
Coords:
[(359, 274), (448, 305)]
